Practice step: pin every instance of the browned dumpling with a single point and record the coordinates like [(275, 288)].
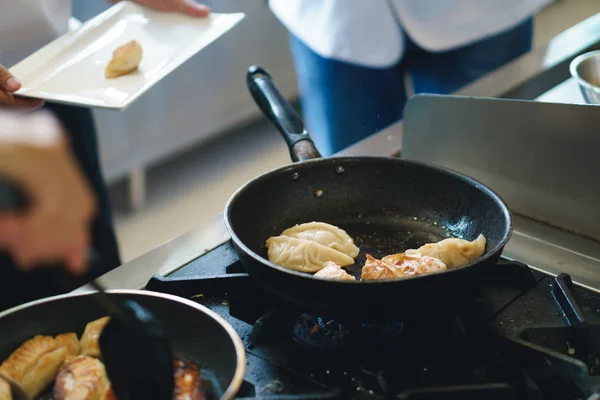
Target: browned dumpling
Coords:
[(334, 271), (83, 378), (188, 384), (35, 363), (5, 393), (400, 266), (410, 265), (89, 340), (375, 269), (125, 59), (70, 341)]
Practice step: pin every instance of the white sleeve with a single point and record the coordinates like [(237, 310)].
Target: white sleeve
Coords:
[(443, 25), (26, 25), (363, 32)]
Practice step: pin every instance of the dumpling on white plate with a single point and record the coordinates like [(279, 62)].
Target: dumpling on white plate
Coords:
[(303, 255), (453, 252), (325, 234), (335, 272)]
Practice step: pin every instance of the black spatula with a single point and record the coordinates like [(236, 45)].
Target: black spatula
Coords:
[(135, 349)]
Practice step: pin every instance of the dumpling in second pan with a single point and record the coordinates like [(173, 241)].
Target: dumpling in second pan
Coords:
[(325, 234), (35, 363), (83, 378), (303, 255), (453, 252), (5, 392), (89, 342)]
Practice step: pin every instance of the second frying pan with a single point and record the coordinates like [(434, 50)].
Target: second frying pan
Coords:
[(387, 205), (195, 332)]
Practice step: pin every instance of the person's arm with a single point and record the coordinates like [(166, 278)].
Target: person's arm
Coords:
[(10, 84), (189, 7), (35, 157)]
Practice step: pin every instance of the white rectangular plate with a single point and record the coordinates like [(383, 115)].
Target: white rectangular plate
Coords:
[(70, 70)]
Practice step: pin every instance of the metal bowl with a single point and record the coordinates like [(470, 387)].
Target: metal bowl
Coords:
[(586, 70)]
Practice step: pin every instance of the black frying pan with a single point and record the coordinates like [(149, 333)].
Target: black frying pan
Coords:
[(387, 205), (195, 332)]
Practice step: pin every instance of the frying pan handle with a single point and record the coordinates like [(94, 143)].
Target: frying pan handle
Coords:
[(275, 107)]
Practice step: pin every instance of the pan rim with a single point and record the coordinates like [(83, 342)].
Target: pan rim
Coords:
[(479, 185), (238, 377)]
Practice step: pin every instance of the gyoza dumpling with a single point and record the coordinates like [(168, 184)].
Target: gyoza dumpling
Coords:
[(375, 269), (89, 342), (5, 392), (325, 234), (412, 265), (453, 252), (125, 59), (83, 378), (70, 341), (335, 272), (399, 266), (303, 255), (35, 363)]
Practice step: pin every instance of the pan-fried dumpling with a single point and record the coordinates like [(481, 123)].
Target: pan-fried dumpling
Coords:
[(411, 265), (325, 234), (89, 340), (453, 252), (70, 341), (303, 255), (35, 363), (188, 382), (125, 59), (83, 378), (375, 269), (400, 266), (5, 393), (334, 271)]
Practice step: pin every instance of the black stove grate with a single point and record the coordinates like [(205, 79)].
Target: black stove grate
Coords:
[(524, 335)]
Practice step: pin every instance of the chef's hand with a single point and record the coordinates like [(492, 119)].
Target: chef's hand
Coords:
[(10, 84), (189, 7), (54, 229)]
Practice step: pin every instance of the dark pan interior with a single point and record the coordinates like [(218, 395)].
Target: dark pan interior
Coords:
[(387, 205), (194, 335)]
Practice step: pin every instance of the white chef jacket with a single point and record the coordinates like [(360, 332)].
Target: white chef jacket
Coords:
[(27, 25), (369, 32)]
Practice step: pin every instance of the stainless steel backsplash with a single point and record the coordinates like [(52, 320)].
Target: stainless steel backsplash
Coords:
[(542, 158)]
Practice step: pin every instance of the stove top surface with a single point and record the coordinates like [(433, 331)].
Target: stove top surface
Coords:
[(524, 335)]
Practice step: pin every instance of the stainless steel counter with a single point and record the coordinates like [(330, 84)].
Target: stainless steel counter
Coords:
[(542, 74)]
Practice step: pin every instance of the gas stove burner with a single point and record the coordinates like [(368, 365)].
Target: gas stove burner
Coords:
[(315, 332), (319, 333), (381, 333), (517, 335)]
